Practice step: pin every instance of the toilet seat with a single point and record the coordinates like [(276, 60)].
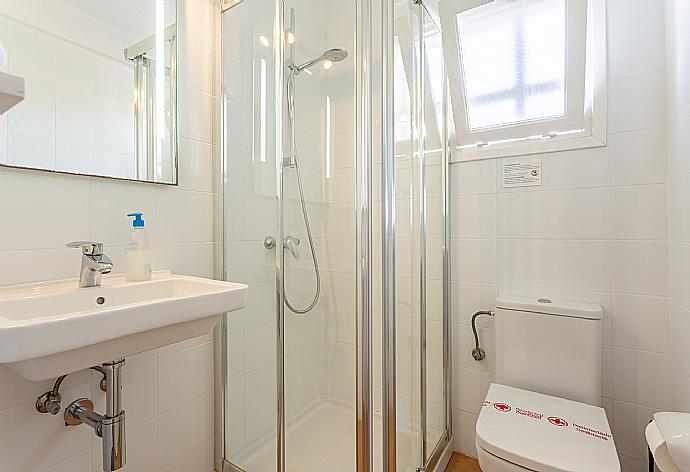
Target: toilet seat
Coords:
[(521, 430)]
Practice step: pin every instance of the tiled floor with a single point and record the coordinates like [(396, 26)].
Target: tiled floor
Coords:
[(460, 463)]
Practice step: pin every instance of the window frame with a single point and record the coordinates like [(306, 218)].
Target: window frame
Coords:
[(584, 124)]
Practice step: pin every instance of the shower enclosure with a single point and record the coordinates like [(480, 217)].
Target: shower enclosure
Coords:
[(335, 197)]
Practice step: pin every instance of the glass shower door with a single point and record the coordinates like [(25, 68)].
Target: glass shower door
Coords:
[(290, 222), (250, 208), (421, 230), (303, 203), (319, 211), (433, 206)]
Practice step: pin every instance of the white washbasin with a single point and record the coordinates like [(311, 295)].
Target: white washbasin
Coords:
[(668, 436), (52, 328)]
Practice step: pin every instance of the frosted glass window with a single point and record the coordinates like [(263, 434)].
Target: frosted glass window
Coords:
[(513, 61)]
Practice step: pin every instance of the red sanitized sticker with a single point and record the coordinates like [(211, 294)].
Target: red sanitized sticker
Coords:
[(556, 421)]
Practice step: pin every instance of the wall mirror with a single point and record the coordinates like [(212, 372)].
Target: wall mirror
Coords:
[(100, 85)]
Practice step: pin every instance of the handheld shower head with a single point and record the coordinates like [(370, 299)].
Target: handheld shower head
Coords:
[(334, 55), (328, 57)]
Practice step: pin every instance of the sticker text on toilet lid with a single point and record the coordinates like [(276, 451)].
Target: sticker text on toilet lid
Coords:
[(556, 421)]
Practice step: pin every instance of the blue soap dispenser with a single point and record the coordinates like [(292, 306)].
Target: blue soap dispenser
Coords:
[(138, 251)]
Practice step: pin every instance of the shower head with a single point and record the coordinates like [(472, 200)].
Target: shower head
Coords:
[(334, 55), (328, 57)]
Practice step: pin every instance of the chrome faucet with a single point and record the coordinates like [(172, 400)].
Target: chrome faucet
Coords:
[(93, 263)]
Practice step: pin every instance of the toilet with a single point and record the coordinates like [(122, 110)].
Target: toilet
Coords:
[(543, 412)]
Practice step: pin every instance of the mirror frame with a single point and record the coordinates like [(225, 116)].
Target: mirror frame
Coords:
[(175, 139)]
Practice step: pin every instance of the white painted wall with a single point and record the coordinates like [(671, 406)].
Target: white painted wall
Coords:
[(595, 231), (168, 393)]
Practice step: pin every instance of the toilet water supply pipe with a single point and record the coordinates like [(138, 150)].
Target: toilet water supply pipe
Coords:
[(478, 353)]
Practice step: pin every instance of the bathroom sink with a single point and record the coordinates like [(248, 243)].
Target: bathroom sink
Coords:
[(668, 437), (52, 328)]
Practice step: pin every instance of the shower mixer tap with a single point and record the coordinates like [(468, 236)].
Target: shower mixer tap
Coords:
[(290, 243)]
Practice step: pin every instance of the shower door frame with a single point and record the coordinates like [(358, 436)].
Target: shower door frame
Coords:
[(363, 207), (439, 456)]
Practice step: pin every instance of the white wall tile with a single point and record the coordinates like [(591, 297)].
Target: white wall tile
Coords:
[(465, 438), (630, 464), (181, 431), (194, 259), (623, 11), (524, 262), (183, 217), (21, 425), (200, 460), (580, 168), (523, 214), (46, 208), (639, 267), (468, 298), (581, 265), (629, 422), (638, 212), (184, 375), (79, 463), (111, 203), (642, 378), (638, 157), (470, 388), (640, 322), (637, 47), (474, 260), (647, 110), (474, 217), (579, 214), (475, 177), (606, 371)]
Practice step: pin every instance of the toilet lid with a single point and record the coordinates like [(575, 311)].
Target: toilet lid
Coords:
[(545, 433)]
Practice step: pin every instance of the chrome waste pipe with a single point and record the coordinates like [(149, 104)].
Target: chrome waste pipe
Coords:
[(110, 426)]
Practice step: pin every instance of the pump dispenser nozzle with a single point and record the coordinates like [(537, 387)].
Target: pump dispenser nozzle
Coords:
[(138, 220)]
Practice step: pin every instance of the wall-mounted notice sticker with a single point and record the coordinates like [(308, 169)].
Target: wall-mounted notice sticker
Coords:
[(522, 174)]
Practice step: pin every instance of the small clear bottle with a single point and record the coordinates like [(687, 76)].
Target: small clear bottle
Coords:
[(138, 252)]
